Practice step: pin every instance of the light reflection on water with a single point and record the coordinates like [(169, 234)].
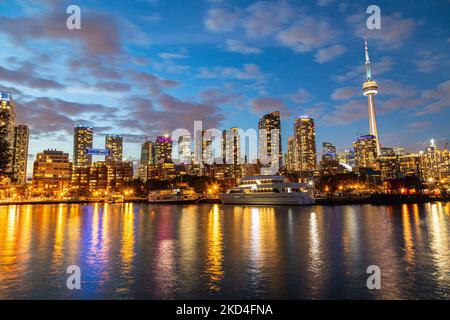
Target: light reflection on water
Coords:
[(213, 251)]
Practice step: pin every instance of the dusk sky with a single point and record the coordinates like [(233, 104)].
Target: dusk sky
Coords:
[(146, 67)]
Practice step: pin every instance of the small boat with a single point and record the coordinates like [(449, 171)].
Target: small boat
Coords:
[(268, 190), (182, 194)]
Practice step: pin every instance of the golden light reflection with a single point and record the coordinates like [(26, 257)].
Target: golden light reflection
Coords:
[(407, 235), (314, 245), (215, 255), (439, 242), (127, 242)]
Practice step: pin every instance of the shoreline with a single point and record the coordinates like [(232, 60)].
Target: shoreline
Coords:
[(375, 199)]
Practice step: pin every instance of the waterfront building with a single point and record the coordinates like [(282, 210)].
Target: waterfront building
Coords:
[(291, 156), (20, 153), (7, 123), (434, 163), (269, 135), (163, 147), (148, 159), (347, 158), (366, 152), (328, 151), (409, 165), (370, 89), (83, 140), (305, 141), (164, 168), (184, 149), (231, 147), (114, 143), (51, 173), (110, 176), (389, 166)]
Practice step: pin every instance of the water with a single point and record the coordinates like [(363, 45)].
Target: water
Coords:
[(212, 251)]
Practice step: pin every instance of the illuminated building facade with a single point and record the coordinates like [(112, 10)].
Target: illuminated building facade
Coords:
[(291, 156), (83, 140), (7, 122), (184, 149), (20, 153), (114, 143), (370, 89), (305, 140), (347, 157), (366, 152), (231, 147), (163, 147), (328, 151), (51, 173), (434, 163), (269, 135)]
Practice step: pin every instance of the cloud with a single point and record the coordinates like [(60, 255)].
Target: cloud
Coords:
[(346, 113), (438, 99), (328, 54), (49, 116), (307, 34), (249, 71), (240, 47), (419, 125), (301, 96), (113, 86), (167, 55), (395, 29), (222, 19), (25, 76), (265, 105), (379, 67), (426, 61), (345, 93), (264, 18), (99, 33)]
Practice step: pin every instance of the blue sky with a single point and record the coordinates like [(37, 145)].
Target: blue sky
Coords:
[(146, 67)]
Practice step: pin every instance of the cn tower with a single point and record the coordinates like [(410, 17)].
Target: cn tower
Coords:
[(370, 89)]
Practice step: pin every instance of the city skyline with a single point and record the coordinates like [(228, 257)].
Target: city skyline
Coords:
[(39, 101)]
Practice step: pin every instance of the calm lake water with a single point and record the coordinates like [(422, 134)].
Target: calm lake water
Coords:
[(211, 251)]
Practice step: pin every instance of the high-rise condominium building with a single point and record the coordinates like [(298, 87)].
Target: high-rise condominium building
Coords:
[(366, 152), (7, 122), (114, 143), (163, 149), (20, 153), (83, 140), (328, 151), (305, 136), (347, 157), (231, 146), (291, 156), (184, 149), (148, 159), (269, 134), (51, 173)]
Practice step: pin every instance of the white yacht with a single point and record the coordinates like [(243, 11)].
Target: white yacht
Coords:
[(268, 190)]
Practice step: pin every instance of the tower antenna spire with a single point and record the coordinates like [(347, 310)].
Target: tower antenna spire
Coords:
[(368, 67)]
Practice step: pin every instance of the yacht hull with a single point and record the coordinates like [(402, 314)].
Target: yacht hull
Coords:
[(267, 199)]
